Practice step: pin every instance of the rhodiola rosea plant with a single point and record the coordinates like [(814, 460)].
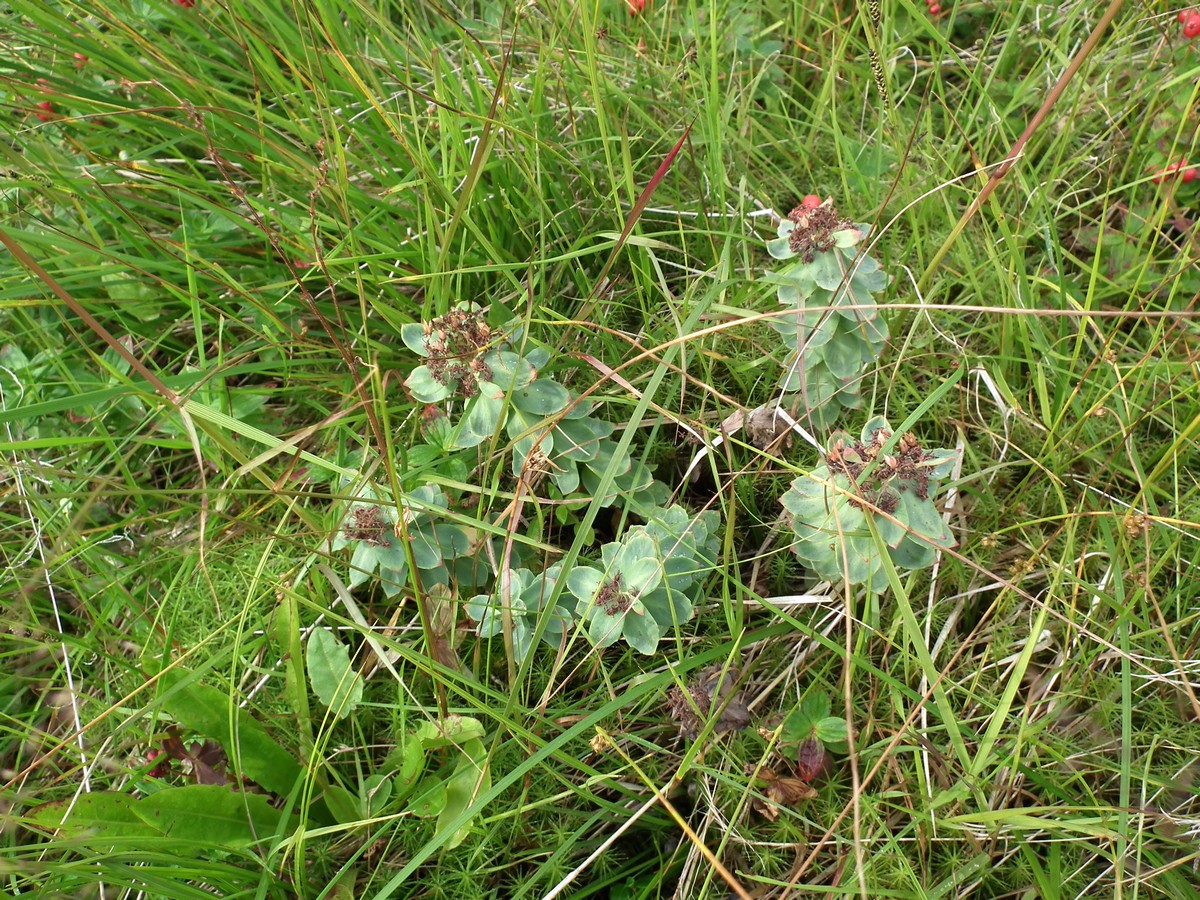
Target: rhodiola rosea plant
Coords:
[(832, 328), (867, 500), (869, 496), (497, 375)]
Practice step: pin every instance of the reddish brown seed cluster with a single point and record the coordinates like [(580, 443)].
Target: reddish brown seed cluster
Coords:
[(455, 342), (368, 524), (905, 468), (815, 224), (612, 599)]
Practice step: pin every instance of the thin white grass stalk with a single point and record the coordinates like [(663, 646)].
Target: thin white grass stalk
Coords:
[(608, 842), (39, 550), (930, 601)]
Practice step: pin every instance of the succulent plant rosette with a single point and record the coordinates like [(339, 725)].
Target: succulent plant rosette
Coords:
[(553, 433), (883, 480), (370, 525), (833, 327), (648, 582), (534, 612)]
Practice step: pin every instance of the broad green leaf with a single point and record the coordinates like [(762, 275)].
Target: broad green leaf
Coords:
[(470, 779), (452, 731), (211, 815), (214, 713), (343, 804), (812, 708), (429, 799), (333, 678), (374, 795), (832, 730), (99, 816)]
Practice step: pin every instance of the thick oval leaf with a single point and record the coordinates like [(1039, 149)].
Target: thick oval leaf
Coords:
[(844, 356), (604, 629), (566, 477), (642, 633), (780, 248), (333, 678), (829, 270), (510, 371), (584, 582), (911, 553), (413, 335), (925, 520), (424, 387), (481, 421), (541, 398)]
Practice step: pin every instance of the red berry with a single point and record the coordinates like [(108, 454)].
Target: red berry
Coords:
[(810, 201), (80, 60), (186, 2), (1191, 27), (934, 9), (1190, 174), (1183, 14), (47, 113), (1172, 168)]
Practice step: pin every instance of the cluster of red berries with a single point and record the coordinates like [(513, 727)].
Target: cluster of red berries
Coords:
[(1180, 167), (45, 109), (935, 8), (1190, 19)]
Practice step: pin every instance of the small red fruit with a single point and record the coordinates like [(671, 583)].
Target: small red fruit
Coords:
[(810, 201), (1190, 174), (186, 2), (635, 6), (1191, 27), (934, 9), (1183, 14), (1173, 168), (47, 113), (80, 60)]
